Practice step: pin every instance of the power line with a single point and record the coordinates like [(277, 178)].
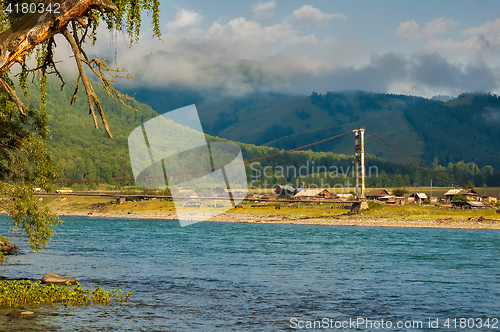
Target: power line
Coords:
[(299, 148), (409, 158), (418, 161), (375, 138), (215, 168)]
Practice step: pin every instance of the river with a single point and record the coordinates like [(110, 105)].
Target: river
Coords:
[(252, 277)]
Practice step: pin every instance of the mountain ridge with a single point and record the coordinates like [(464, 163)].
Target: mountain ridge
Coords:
[(416, 125)]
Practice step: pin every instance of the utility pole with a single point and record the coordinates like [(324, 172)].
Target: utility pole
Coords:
[(359, 153), (431, 190)]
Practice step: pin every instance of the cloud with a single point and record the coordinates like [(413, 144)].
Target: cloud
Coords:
[(184, 20), (310, 17), (244, 56), (489, 29), (376, 76), (209, 64), (264, 9), (491, 115), (483, 44), (421, 74), (407, 30), (214, 70), (433, 70), (410, 30), (252, 39), (299, 40), (248, 33)]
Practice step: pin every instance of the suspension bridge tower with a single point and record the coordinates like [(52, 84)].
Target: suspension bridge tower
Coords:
[(359, 152)]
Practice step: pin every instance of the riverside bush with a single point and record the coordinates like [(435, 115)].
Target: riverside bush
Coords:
[(25, 292)]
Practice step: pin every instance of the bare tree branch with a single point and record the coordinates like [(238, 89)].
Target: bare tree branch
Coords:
[(91, 96), (14, 97)]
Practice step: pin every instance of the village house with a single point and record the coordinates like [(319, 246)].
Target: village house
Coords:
[(313, 193), (469, 194), (419, 198), (388, 199), (376, 194), (409, 198), (400, 200), (476, 205), (489, 199), (469, 205)]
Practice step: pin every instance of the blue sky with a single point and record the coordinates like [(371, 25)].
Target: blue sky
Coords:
[(420, 48)]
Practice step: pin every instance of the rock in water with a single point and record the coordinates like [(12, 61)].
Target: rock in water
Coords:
[(21, 314), (57, 280), (8, 248)]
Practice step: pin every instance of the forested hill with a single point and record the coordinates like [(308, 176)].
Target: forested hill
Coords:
[(82, 152), (466, 128)]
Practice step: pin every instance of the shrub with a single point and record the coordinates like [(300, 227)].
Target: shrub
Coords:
[(24, 292)]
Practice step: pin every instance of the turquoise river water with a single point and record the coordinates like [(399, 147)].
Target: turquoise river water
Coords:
[(264, 277)]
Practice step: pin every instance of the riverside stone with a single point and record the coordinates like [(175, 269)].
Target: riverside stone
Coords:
[(8, 248), (21, 314), (57, 279)]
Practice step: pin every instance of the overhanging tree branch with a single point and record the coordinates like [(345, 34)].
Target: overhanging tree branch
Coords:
[(91, 96), (13, 95), (35, 29)]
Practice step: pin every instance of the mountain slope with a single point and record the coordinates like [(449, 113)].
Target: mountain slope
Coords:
[(462, 129), (80, 151)]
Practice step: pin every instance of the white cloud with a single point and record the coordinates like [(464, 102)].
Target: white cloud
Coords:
[(437, 26), (483, 44), (300, 40), (185, 20), (490, 29), (407, 30), (410, 30), (249, 37), (243, 56), (264, 9), (311, 17)]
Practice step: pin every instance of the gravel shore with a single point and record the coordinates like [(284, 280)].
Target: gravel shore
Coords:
[(354, 220)]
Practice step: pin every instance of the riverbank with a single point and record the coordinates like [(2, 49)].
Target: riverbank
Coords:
[(425, 216), (359, 220)]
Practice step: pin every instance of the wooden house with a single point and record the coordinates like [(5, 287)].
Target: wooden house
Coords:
[(490, 199), (469, 194), (313, 193), (376, 194), (469, 205), (401, 200), (419, 198), (472, 195), (388, 199)]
